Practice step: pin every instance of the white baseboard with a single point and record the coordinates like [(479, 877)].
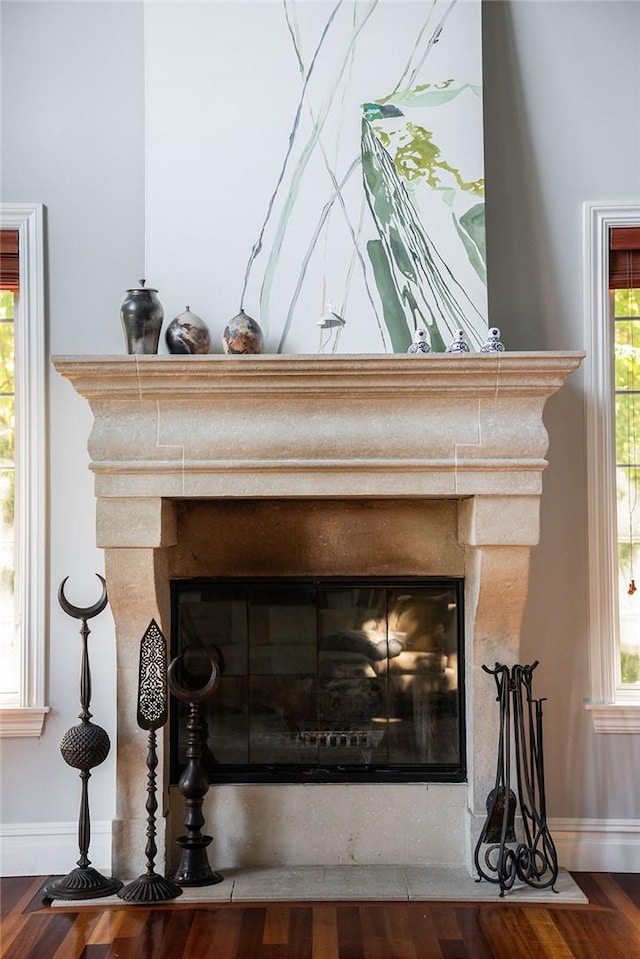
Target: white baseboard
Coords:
[(597, 845), (51, 848)]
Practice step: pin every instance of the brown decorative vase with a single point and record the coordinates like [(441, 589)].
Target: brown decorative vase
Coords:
[(242, 335)]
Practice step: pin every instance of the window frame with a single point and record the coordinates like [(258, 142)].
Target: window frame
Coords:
[(614, 709), (26, 716)]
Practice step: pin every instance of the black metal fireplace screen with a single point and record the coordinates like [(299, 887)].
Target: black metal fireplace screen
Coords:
[(324, 679)]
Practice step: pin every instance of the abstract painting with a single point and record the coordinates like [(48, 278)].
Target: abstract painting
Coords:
[(367, 190)]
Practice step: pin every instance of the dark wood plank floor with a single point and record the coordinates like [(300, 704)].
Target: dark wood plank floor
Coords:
[(607, 928)]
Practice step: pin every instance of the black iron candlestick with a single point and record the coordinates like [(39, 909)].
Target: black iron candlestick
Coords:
[(504, 859), (84, 747), (194, 868), (152, 715)]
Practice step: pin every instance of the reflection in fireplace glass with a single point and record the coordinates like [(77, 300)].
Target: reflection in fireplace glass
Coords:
[(324, 679)]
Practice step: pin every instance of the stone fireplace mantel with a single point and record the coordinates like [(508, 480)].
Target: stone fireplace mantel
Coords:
[(412, 432)]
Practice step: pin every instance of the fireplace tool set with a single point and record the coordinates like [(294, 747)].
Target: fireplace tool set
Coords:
[(87, 745), (499, 856)]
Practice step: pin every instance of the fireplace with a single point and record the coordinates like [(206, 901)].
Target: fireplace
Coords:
[(359, 467)]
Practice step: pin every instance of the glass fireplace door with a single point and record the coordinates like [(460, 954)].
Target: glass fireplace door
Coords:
[(325, 680)]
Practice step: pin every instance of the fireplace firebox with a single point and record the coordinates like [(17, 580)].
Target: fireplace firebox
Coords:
[(324, 679)]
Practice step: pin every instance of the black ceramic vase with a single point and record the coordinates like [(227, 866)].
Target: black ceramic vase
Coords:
[(141, 314)]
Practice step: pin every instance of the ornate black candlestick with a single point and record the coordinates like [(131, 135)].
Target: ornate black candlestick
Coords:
[(194, 868), (152, 715), (505, 859), (84, 747)]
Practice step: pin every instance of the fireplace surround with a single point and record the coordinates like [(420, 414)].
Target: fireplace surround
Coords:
[(252, 466)]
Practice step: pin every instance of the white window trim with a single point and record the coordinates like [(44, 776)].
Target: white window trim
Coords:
[(614, 709), (26, 718)]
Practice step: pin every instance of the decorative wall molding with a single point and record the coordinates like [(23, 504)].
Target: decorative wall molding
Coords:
[(615, 718), (597, 845), (22, 722), (42, 849), (31, 525), (50, 848)]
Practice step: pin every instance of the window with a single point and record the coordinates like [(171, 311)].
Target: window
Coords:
[(626, 318), (22, 480), (10, 648), (612, 331)]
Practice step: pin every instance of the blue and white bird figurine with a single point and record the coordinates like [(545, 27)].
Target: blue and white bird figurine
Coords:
[(493, 344), (420, 343), (459, 344)]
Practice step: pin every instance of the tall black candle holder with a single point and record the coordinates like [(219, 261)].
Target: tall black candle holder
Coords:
[(500, 857), (194, 868), (152, 715), (84, 747)]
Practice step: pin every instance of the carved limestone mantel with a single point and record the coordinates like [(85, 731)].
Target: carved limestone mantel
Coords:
[(465, 431), (435, 425)]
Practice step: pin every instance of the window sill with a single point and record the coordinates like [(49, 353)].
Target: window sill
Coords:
[(615, 717), (22, 721)]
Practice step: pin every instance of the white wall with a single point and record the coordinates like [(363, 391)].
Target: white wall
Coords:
[(73, 139), (552, 142)]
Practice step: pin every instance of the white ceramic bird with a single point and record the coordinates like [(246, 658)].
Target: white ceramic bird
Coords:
[(420, 342), (492, 344), (459, 344)]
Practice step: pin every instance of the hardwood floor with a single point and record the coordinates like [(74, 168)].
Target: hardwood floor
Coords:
[(607, 928)]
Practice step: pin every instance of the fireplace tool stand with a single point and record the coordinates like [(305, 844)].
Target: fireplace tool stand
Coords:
[(152, 715), (84, 747), (499, 856), (194, 868)]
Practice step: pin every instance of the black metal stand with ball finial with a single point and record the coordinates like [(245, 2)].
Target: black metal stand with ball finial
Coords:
[(152, 715), (83, 747), (194, 868)]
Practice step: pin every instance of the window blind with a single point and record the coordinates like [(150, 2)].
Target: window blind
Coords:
[(624, 258), (9, 261)]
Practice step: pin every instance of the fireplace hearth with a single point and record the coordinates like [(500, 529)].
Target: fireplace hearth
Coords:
[(214, 467)]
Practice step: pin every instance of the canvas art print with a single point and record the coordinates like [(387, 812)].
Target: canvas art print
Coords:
[(325, 166)]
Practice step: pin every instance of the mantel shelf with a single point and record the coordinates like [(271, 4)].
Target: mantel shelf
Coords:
[(269, 374)]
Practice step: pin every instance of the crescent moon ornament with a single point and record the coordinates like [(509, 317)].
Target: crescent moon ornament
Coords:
[(79, 612), (192, 695), (84, 746)]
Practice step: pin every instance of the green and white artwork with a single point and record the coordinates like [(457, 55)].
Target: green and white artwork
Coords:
[(333, 184)]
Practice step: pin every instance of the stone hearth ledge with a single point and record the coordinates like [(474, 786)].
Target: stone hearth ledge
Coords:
[(358, 884)]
